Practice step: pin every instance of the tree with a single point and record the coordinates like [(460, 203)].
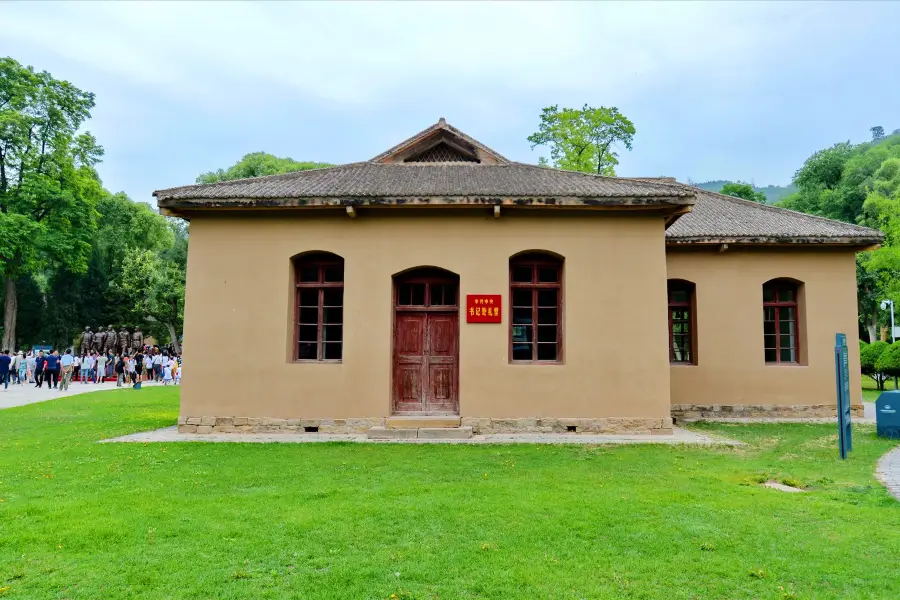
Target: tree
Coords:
[(743, 190), (868, 358), (877, 132), (48, 185), (888, 362), (258, 164), (583, 140)]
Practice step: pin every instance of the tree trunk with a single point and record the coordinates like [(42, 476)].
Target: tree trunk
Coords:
[(173, 335), (872, 325), (10, 313)]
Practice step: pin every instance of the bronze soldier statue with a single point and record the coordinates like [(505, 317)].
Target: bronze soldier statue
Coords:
[(137, 339), (124, 341), (112, 340), (99, 340), (87, 339)]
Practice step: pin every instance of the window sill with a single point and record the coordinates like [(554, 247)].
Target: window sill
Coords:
[(785, 364), (682, 364), (537, 362), (316, 362)]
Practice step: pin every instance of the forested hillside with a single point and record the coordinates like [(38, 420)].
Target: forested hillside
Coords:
[(860, 183), (773, 193)]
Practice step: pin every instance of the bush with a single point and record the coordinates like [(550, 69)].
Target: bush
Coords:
[(889, 360), (868, 358)]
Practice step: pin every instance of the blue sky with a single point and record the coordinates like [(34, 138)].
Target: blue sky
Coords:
[(716, 90)]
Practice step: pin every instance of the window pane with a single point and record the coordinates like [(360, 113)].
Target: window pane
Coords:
[(769, 341), (309, 315), (546, 333), (522, 274), (418, 294), (436, 297), (306, 351), (522, 351), (786, 327), (770, 355), (546, 351), (443, 294), (332, 333), (785, 294), (547, 316), (333, 350), (308, 333), (788, 355), (333, 297), (786, 314), (768, 293), (548, 275), (680, 314), (769, 314), (309, 273), (521, 334), (679, 295), (547, 297), (521, 297), (309, 297), (769, 327), (404, 294), (333, 314), (787, 341), (521, 316), (334, 273), (450, 294)]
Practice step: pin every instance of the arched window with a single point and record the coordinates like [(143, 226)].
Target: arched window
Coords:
[(319, 307), (536, 325), (682, 341), (780, 321)]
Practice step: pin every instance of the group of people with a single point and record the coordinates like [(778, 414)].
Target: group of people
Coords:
[(59, 371)]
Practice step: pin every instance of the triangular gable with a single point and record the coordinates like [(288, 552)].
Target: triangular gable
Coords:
[(440, 143)]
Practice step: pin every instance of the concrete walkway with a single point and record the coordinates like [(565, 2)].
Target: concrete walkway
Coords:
[(680, 436), (20, 395), (888, 471)]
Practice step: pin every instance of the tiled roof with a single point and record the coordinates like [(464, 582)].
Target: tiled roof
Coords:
[(719, 218), (440, 125), (417, 180)]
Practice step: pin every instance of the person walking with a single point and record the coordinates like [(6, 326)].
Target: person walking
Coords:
[(139, 366), (148, 367), (67, 366), (87, 365), (14, 367), (157, 366), (100, 368), (120, 371), (22, 367), (5, 362), (76, 365), (40, 363), (29, 365), (51, 369), (130, 370)]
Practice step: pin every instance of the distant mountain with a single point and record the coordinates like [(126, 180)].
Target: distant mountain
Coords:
[(774, 193)]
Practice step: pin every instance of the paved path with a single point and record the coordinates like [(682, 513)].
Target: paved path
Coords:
[(19, 395), (888, 471), (680, 436)]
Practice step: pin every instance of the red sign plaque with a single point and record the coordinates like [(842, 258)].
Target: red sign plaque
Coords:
[(483, 308)]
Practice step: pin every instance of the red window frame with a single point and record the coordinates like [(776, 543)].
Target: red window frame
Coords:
[(780, 310), (324, 266), (536, 264), (439, 291), (685, 310)]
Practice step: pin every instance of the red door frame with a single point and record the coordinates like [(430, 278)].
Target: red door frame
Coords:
[(447, 306)]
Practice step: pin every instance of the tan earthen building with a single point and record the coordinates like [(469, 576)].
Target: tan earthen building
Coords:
[(441, 285)]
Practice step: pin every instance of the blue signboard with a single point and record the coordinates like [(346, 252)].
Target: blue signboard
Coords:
[(842, 379)]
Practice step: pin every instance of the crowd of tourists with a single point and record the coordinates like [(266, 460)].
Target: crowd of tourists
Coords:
[(59, 371)]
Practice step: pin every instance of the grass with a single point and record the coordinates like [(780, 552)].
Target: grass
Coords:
[(870, 390), (191, 520)]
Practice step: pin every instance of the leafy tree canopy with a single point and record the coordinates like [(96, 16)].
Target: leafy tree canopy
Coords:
[(583, 139), (258, 164), (739, 189)]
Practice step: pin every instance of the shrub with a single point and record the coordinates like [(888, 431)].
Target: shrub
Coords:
[(868, 359), (889, 360)]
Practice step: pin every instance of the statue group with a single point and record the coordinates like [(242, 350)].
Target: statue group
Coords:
[(110, 342)]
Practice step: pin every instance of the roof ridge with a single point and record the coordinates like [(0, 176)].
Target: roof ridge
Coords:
[(441, 124)]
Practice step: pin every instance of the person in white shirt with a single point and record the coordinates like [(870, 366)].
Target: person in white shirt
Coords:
[(157, 366), (148, 367)]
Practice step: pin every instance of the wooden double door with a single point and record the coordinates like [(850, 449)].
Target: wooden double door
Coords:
[(426, 344)]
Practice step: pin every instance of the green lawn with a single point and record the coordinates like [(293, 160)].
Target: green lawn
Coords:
[(85, 520), (870, 391)]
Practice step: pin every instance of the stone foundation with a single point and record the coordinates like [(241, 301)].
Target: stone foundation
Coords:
[(760, 411), (479, 425)]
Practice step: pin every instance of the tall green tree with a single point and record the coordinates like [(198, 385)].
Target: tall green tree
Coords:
[(258, 164), (739, 189), (877, 132), (48, 185), (583, 139)]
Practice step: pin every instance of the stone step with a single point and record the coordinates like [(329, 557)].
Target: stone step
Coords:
[(417, 422), (383, 433), (445, 433)]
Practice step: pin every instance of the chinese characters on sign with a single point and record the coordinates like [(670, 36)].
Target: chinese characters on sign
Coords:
[(483, 308)]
